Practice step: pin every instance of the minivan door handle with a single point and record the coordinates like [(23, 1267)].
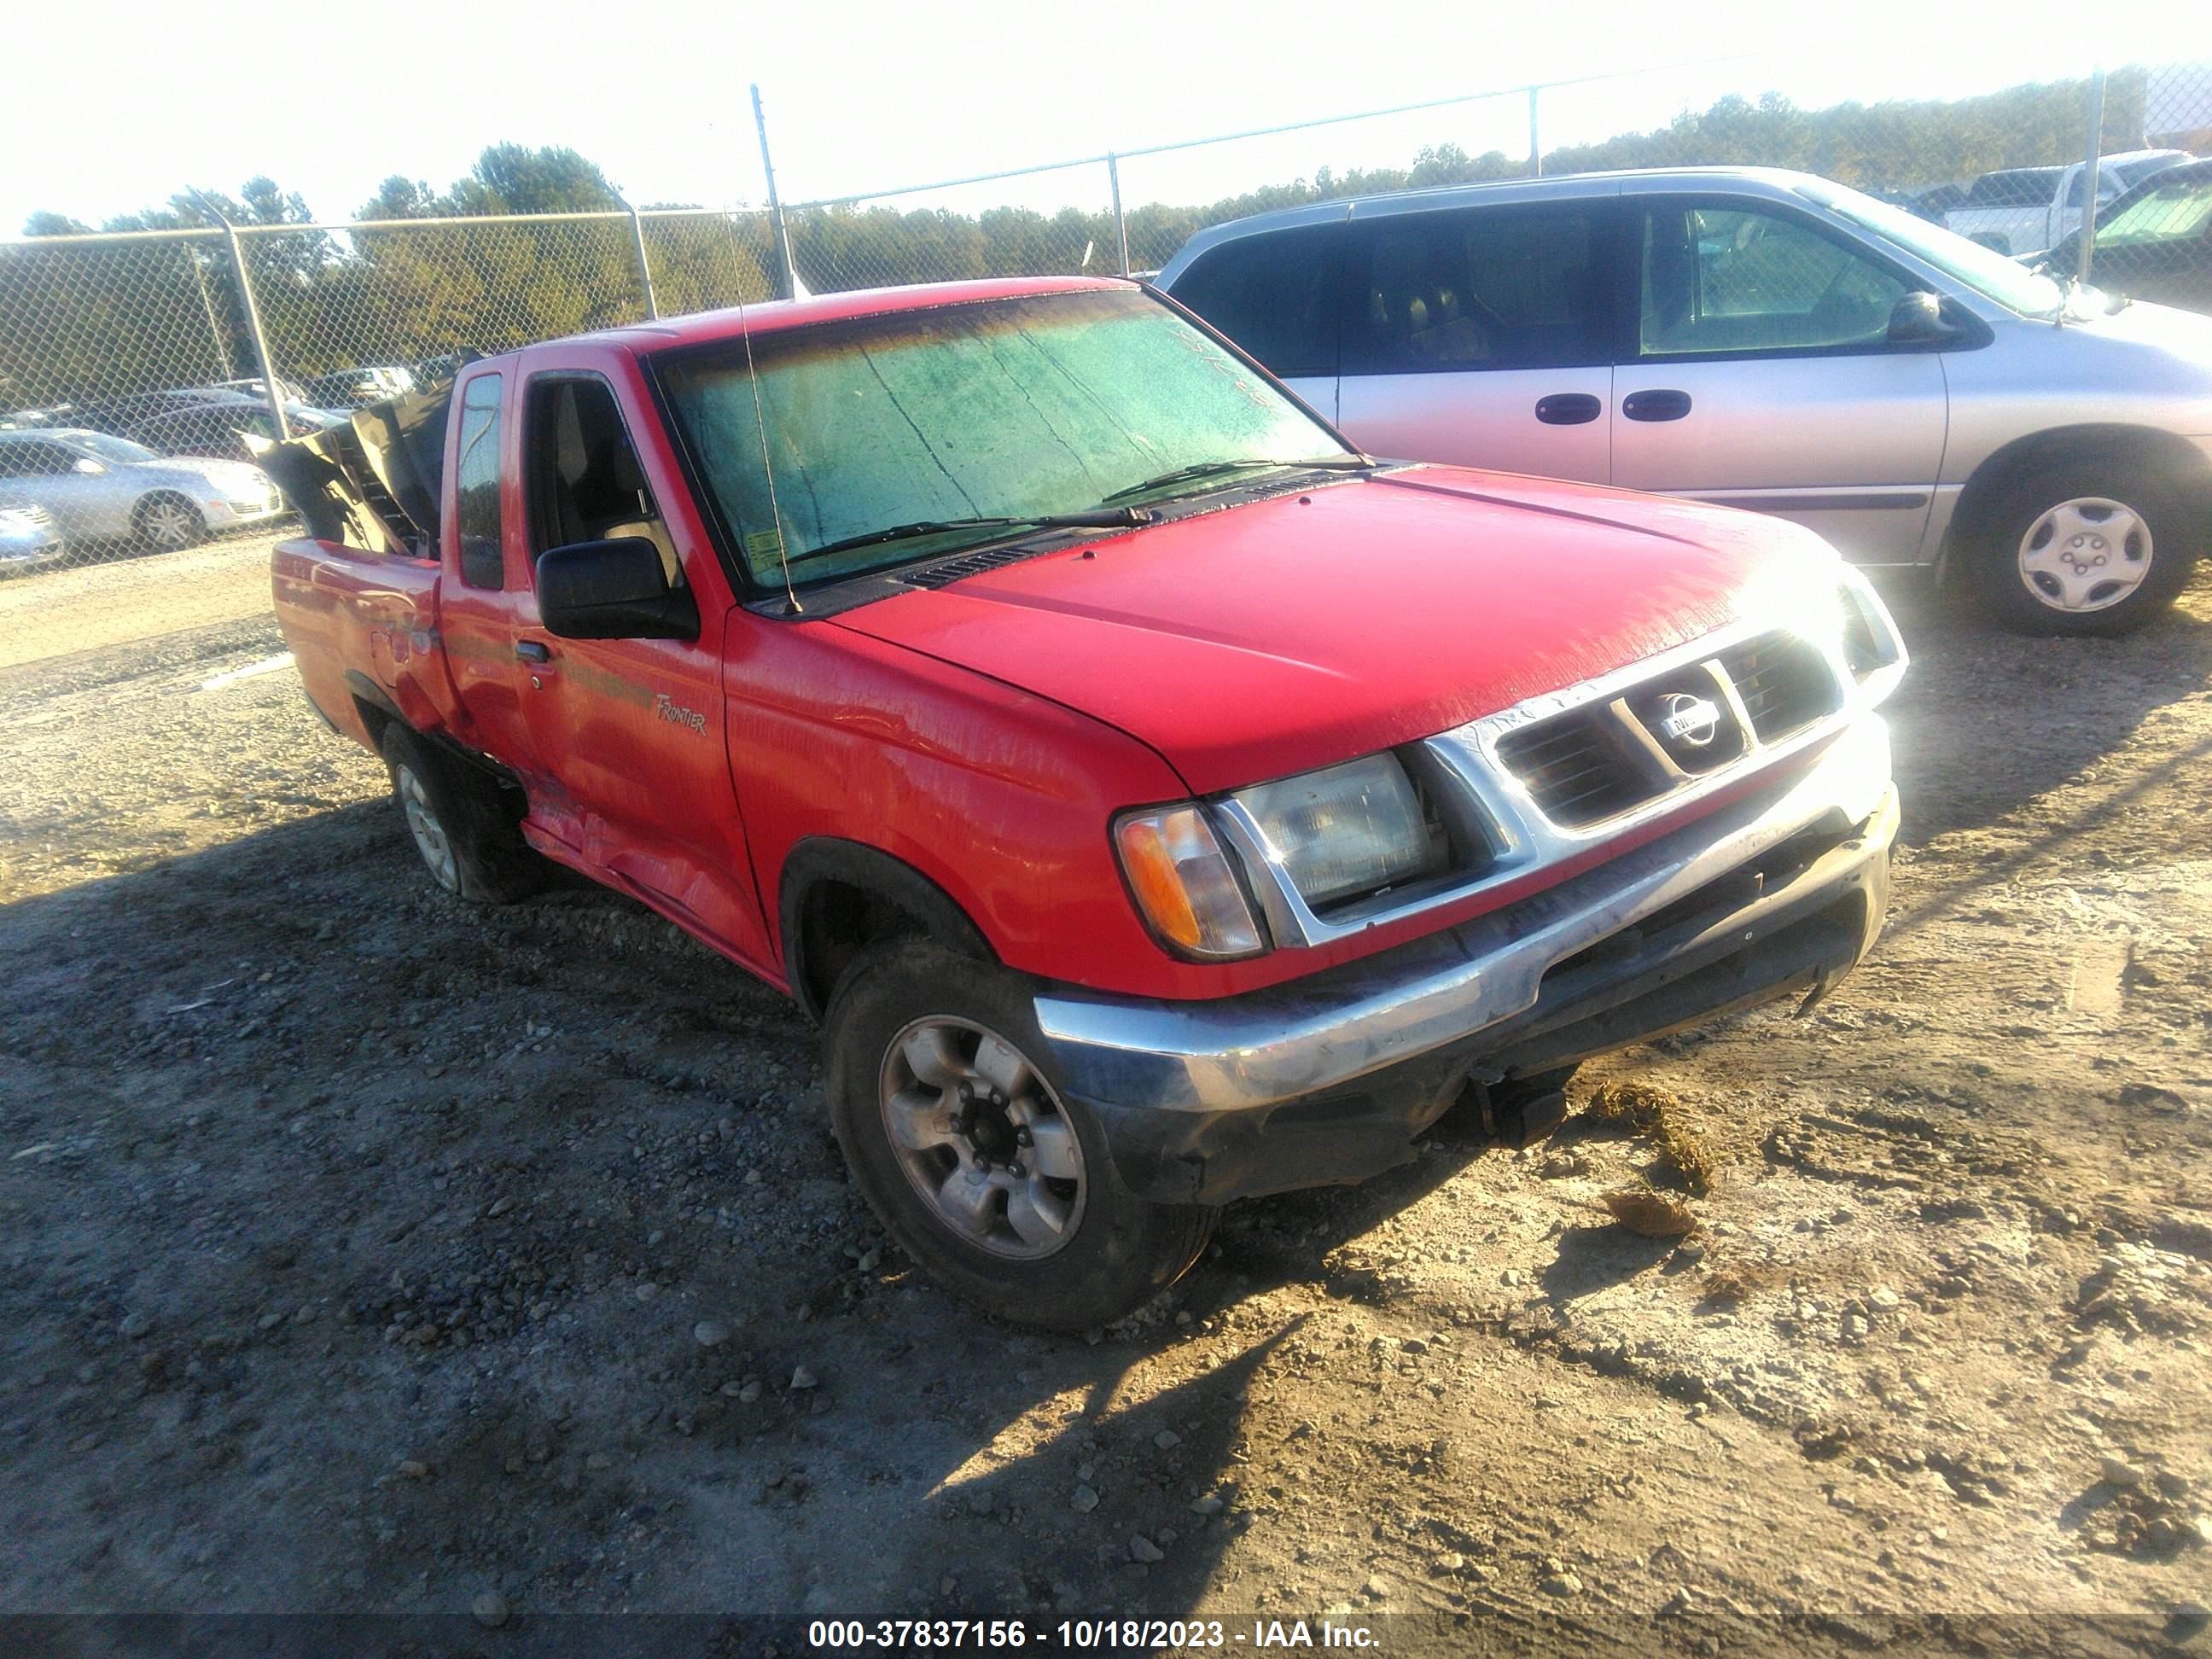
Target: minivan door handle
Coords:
[(533, 651), (1568, 409), (1655, 405)]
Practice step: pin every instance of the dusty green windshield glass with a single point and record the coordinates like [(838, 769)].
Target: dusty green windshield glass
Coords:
[(1003, 409)]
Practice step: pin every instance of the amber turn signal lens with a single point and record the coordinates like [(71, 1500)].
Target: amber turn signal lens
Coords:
[(1183, 883)]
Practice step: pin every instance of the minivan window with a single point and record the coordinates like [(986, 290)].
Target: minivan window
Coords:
[(1726, 279), (1486, 288), (1275, 295), (1988, 273)]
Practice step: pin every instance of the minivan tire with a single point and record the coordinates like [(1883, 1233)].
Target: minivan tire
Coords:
[(457, 823), (2118, 510), (1105, 1253)]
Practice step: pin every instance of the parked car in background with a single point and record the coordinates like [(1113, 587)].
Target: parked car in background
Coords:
[(258, 389), (102, 487), (29, 537), (2154, 243), (1764, 339), (357, 388), (219, 431), (2026, 210)]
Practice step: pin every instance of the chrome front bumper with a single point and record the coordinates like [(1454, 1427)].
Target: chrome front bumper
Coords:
[(1250, 1054)]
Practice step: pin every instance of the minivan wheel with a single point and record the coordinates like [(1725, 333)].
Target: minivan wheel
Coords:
[(988, 1176), (2082, 548)]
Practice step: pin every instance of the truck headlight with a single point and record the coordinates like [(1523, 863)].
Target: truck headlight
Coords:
[(1184, 884), (1345, 831), (1873, 649)]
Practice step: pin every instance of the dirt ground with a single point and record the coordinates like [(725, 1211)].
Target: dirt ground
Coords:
[(367, 1252)]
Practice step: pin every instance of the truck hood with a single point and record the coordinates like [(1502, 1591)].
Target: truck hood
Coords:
[(1252, 643)]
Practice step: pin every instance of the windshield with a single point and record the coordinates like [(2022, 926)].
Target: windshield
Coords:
[(1014, 408), (1990, 274), (111, 449), (2167, 212)]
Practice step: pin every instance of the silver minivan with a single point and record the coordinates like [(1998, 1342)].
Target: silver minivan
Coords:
[(1764, 339)]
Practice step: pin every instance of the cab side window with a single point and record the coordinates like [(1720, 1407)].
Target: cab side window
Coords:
[(1739, 280), (1275, 296), (586, 483), (476, 485), (1488, 288)]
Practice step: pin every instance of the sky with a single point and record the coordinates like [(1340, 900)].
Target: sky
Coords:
[(135, 100)]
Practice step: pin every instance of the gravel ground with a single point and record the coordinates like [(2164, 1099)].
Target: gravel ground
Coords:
[(367, 1252)]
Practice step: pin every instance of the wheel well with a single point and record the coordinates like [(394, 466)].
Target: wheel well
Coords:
[(138, 507), (840, 898), (2023, 457)]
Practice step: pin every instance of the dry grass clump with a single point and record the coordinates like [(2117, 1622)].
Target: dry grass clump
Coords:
[(1653, 1214), (1679, 1156)]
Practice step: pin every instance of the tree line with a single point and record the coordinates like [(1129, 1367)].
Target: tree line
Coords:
[(82, 320)]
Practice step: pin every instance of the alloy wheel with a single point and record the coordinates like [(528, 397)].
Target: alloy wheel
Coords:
[(982, 1137), (430, 838)]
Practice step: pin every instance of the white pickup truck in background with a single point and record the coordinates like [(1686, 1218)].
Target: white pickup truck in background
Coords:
[(2022, 210)]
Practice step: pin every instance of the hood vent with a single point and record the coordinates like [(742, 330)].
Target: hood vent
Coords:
[(968, 564)]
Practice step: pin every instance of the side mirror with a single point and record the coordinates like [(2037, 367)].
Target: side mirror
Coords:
[(1919, 319), (90, 468), (612, 590)]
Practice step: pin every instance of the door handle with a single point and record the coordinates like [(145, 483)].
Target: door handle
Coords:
[(1568, 409), (533, 651), (1655, 405)]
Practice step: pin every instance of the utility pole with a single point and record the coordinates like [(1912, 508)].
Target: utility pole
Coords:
[(775, 206), (1535, 153)]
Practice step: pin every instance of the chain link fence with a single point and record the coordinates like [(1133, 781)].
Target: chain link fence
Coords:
[(165, 340)]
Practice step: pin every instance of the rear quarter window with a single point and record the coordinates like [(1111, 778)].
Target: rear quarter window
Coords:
[(1275, 295)]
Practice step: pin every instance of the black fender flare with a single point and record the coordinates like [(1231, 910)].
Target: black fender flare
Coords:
[(819, 862)]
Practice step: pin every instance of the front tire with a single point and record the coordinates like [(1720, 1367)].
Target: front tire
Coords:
[(166, 522), (2083, 548), (458, 825), (988, 1174)]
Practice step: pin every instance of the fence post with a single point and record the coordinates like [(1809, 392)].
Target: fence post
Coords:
[(644, 265), (775, 206), (1535, 153), (252, 316), (217, 331), (2096, 146), (1120, 224)]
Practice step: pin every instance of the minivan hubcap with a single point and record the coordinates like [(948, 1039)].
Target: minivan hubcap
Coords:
[(982, 1137), (2087, 554), (430, 838)]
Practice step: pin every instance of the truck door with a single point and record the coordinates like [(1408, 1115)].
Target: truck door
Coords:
[(478, 594), (1758, 375), (628, 735)]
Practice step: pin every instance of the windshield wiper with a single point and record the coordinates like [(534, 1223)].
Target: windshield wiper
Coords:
[(1209, 469), (1097, 517)]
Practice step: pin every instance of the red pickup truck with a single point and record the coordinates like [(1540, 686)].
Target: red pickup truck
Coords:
[(1157, 801)]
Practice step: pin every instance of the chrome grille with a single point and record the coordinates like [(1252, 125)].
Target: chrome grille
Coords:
[(1784, 682), (1604, 759), (1576, 768)]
